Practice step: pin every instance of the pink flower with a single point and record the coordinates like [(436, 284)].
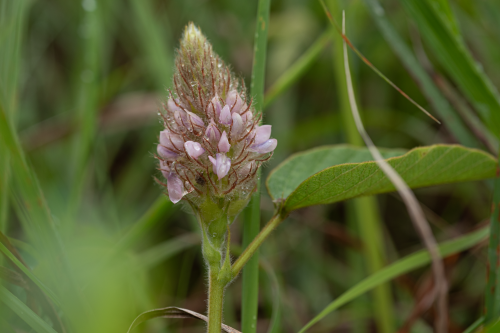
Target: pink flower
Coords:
[(262, 133), (225, 116), (214, 107), (221, 165), (193, 149), (238, 125), (264, 147), (175, 187), (212, 133), (166, 154), (171, 141), (234, 101), (224, 145)]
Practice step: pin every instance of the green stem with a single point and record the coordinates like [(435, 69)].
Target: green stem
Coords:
[(250, 283), (255, 244), (215, 301), (492, 292)]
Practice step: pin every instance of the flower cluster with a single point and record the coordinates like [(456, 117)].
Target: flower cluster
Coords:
[(212, 144)]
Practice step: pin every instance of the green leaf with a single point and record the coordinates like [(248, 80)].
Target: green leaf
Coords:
[(400, 267), (335, 173), (23, 311), (287, 176)]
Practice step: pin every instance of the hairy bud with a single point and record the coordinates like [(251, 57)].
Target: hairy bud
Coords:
[(212, 145)]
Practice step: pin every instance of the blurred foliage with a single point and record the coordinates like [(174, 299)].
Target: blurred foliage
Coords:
[(82, 82)]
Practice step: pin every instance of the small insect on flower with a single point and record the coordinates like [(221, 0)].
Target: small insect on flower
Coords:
[(212, 145)]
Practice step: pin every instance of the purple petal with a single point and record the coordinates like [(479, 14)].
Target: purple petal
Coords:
[(214, 162), (175, 187), (182, 119), (234, 101), (193, 149), (262, 134), (225, 116), (224, 145), (237, 128), (264, 147), (246, 169), (164, 169), (172, 106), (212, 133), (170, 140), (214, 103), (195, 119), (223, 164), (166, 154), (247, 117)]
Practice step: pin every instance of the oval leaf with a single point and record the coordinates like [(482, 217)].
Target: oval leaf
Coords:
[(306, 179)]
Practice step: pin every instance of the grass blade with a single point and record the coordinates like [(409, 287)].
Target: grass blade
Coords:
[(492, 291), (297, 69), (28, 273), (441, 106), (155, 47), (12, 18), (417, 216), (251, 227), (398, 268), (453, 55), (23, 311), (168, 249), (87, 98), (375, 69)]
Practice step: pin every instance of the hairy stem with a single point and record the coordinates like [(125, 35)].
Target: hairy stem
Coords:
[(215, 301)]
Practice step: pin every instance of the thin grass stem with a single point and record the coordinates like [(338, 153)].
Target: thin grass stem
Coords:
[(415, 211), (250, 283)]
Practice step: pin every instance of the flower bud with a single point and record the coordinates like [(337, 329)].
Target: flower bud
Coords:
[(172, 105), (262, 133), (166, 154), (165, 170), (212, 133), (205, 152), (195, 120), (193, 149), (247, 117), (264, 147), (221, 165), (171, 141), (234, 101), (246, 169), (174, 187), (225, 116), (182, 120), (238, 125), (224, 145), (214, 107)]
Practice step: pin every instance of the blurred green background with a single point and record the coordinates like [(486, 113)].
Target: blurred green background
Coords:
[(83, 81)]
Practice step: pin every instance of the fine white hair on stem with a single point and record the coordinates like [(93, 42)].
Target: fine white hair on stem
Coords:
[(412, 205)]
